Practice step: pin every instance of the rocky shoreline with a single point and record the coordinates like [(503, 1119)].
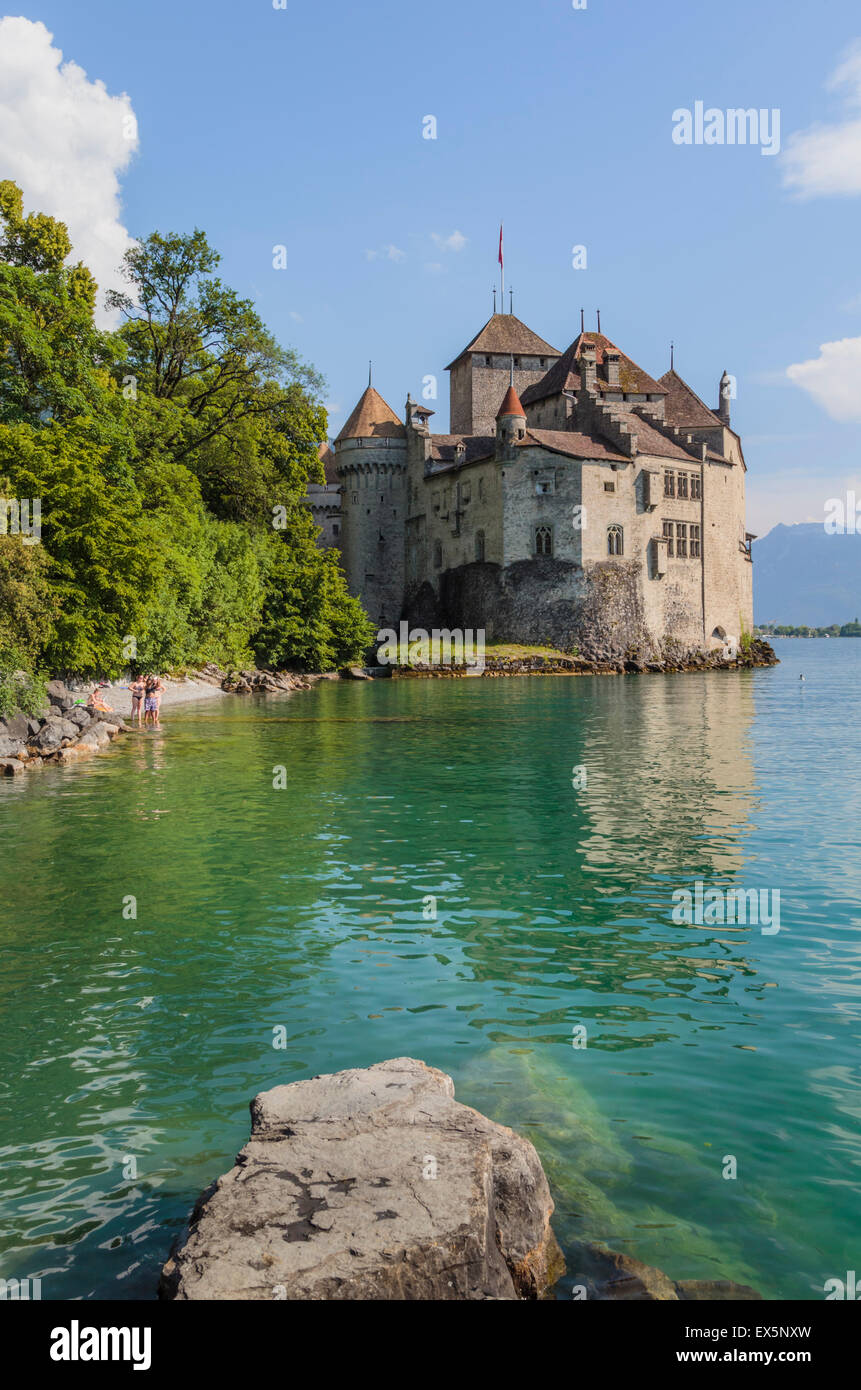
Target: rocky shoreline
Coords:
[(63, 732), (758, 653)]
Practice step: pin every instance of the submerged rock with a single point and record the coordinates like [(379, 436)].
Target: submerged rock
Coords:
[(371, 1184), (608, 1276)]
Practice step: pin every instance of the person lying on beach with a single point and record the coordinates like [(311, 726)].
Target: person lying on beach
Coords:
[(152, 700), (96, 700)]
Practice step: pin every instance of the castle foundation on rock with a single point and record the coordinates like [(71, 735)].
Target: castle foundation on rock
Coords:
[(578, 503)]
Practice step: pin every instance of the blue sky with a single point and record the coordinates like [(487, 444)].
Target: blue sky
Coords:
[(302, 127)]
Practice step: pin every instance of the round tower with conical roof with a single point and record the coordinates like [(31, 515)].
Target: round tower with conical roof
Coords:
[(371, 463)]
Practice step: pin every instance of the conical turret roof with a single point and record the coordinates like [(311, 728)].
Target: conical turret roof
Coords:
[(510, 405), (372, 419)]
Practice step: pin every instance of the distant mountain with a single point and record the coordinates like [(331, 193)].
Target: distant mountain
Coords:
[(801, 575)]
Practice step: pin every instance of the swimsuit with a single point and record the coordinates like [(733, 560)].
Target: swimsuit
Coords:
[(151, 705)]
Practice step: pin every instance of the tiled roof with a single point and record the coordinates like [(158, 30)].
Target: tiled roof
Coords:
[(651, 441), (684, 407), (372, 419), (510, 405), (477, 446), (564, 375), (327, 458), (503, 333), (579, 446)]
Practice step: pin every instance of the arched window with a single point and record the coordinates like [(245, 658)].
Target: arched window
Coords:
[(615, 541), (479, 545), (543, 540), (437, 554)]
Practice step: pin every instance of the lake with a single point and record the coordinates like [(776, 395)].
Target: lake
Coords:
[(478, 873)]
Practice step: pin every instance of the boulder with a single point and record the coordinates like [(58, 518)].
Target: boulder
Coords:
[(10, 767), (53, 732), (354, 673), (11, 747), (81, 716), (17, 726), (371, 1184), (56, 690)]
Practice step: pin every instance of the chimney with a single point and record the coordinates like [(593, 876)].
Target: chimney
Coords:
[(614, 361), (588, 366), (726, 391)]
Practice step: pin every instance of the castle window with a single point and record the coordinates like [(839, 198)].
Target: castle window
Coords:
[(541, 361), (479, 545), (682, 490), (481, 488), (394, 513), (487, 361), (696, 487), (609, 487), (681, 540), (517, 361), (544, 540), (669, 484), (336, 530), (545, 484), (695, 542), (355, 498), (437, 555), (466, 493), (668, 537), (615, 541)]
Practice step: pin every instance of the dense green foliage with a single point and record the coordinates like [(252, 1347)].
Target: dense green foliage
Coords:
[(171, 458)]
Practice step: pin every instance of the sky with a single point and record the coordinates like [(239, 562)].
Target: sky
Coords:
[(303, 125)]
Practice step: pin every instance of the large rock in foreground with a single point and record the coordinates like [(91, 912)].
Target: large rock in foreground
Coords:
[(371, 1184)]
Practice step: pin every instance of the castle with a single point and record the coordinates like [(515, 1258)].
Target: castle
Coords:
[(577, 503)]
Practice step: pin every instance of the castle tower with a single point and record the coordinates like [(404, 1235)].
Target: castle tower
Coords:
[(370, 460), (510, 420), (725, 395), (480, 374)]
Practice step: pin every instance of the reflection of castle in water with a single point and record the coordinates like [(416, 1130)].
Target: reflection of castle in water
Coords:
[(670, 782)]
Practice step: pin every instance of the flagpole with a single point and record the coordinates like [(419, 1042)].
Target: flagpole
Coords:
[(502, 269)]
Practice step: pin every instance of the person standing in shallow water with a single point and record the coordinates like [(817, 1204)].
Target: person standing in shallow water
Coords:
[(138, 691), (152, 700)]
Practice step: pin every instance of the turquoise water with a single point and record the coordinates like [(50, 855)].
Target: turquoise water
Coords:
[(132, 1046)]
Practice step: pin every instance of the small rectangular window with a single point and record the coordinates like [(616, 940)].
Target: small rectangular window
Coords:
[(669, 484), (695, 542), (682, 485), (696, 487), (668, 536), (681, 540), (609, 487)]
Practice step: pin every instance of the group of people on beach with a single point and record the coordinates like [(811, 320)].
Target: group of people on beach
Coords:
[(146, 693), (146, 699)]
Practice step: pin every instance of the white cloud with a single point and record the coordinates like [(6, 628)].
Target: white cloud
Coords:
[(833, 378), (455, 242), (65, 140), (386, 253), (826, 159)]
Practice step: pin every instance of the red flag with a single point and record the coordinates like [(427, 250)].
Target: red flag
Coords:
[(500, 245)]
